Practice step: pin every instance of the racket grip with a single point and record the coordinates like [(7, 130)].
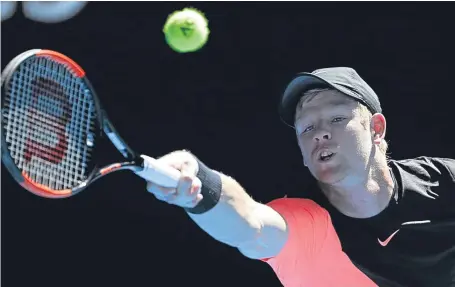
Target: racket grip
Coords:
[(158, 173)]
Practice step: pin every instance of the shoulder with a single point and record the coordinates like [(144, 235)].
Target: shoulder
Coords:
[(305, 219), (296, 205), (303, 214), (427, 166)]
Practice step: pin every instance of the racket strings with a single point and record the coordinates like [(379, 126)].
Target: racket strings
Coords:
[(49, 116)]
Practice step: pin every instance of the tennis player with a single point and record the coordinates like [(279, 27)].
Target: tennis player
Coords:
[(392, 219)]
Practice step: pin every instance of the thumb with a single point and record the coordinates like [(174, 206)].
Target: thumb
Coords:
[(183, 161), (189, 167)]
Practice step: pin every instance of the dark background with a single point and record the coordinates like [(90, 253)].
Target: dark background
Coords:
[(220, 103)]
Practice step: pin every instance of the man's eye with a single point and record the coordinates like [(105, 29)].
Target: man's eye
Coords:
[(338, 119), (309, 128)]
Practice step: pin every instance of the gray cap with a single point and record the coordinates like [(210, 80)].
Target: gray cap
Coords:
[(345, 80)]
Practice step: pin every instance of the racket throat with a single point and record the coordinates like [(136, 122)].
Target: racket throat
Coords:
[(116, 140)]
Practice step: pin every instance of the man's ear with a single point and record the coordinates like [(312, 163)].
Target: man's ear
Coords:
[(378, 126)]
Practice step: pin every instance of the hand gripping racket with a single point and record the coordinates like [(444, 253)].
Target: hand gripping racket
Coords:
[(52, 127)]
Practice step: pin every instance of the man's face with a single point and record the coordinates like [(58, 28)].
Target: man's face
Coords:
[(335, 143)]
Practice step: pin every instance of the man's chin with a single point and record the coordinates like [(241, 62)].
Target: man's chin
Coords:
[(329, 176)]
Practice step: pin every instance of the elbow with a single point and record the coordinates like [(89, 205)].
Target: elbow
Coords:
[(265, 240), (258, 251), (251, 246), (254, 247)]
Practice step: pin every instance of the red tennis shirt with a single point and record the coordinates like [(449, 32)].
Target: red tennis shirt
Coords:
[(312, 255)]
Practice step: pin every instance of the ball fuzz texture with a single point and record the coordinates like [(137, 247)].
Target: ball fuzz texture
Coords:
[(186, 30)]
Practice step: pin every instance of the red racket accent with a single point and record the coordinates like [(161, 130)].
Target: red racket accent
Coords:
[(31, 185), (58, 57), (110, 168)]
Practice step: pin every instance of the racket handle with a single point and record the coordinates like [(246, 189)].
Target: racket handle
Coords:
[(158, 173)]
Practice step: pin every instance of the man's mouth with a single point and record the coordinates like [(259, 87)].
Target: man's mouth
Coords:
[(325, 155)]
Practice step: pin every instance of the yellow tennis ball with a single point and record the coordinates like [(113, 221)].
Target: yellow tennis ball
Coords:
[(186, 30)]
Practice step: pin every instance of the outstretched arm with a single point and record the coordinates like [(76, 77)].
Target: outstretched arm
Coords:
[(231, 216)]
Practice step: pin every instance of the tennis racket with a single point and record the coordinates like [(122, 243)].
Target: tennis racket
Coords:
[(53, 126)]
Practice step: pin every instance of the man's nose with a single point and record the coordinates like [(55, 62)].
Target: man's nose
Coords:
[(322, 135)]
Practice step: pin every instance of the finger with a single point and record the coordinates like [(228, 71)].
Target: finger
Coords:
[(161, 197), (192, 198), (196, 187), (159, 191), (178, 160), (184, 185), (171, 199), (195, 200), (189, 167)]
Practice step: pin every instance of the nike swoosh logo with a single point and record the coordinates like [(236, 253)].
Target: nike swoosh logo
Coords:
[(385, 242)]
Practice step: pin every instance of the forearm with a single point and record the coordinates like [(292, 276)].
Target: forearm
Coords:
[(231, 220), (220, 206)]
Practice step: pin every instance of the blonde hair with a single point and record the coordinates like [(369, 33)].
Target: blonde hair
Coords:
[(364, 113)]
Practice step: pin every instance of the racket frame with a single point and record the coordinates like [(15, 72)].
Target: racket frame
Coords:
[(104, 130)]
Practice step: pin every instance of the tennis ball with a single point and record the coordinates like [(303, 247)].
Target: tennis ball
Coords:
[(186, 30)]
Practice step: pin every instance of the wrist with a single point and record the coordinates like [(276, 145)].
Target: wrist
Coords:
[(210, 189)]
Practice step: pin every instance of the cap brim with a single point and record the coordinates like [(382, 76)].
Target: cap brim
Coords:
[(293, 92)]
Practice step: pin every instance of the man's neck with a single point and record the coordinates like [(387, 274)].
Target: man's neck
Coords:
[(362, 197)]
